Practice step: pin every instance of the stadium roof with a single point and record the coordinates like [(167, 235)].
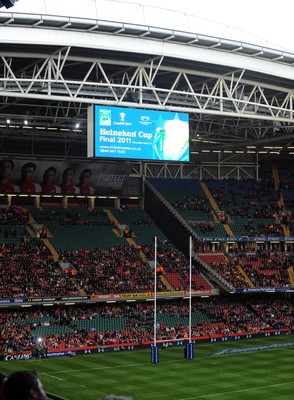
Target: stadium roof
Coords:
[(239, 95)]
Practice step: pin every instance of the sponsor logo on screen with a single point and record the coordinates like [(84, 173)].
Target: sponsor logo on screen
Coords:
[(105, 117)]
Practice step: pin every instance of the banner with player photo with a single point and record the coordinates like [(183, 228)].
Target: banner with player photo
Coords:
[(62, 178)]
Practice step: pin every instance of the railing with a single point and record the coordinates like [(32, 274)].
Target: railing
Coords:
[(54, 396)]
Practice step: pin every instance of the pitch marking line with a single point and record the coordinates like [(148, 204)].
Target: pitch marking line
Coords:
[(236, 391), (53, 376), (110, 367)]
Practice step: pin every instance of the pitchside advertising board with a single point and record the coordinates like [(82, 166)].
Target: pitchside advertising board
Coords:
[(138, 134), (164, 344)]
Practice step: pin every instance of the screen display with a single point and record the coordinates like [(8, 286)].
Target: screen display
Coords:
[(130, 133)]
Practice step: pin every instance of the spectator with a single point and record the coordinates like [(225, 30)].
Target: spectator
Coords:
[(3, 378), (24, 385)]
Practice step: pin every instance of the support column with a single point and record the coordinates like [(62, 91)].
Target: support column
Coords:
[(64, 201), (37, 201), (91, 203), (117, 203)]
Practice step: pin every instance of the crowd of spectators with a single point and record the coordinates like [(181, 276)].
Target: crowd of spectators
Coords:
[(276, 314), (14, 215), (262, 230), (70, 218), (29, 270), (245, 211), (174, 261), (230, 272), (171, 259), (116, 270), (193, 203), (207, 227), (269, 269), (291, 228), (262, 268), (14, 221), (143, 221), (122, 270), (214, 317), (255, 204), (248, 200), (287, 177), (119, 269)]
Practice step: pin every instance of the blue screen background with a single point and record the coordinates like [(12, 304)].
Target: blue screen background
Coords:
[(141, 134)]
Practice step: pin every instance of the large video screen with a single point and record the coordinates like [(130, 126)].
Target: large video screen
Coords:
[(129, 133)]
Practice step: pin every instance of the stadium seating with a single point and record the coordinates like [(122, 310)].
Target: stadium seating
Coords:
[(122, 323), (106, 261)]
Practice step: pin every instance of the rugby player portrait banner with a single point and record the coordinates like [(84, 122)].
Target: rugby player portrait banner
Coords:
[(47, 177)]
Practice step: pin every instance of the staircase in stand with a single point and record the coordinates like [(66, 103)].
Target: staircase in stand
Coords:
[(215, 207)]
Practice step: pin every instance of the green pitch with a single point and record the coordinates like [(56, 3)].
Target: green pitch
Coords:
[(254, 375)]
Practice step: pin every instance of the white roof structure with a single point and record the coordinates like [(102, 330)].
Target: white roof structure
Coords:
[(255, 24), (57, 59)]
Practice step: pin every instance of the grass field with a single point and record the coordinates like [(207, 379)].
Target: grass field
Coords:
[(262, 374)]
